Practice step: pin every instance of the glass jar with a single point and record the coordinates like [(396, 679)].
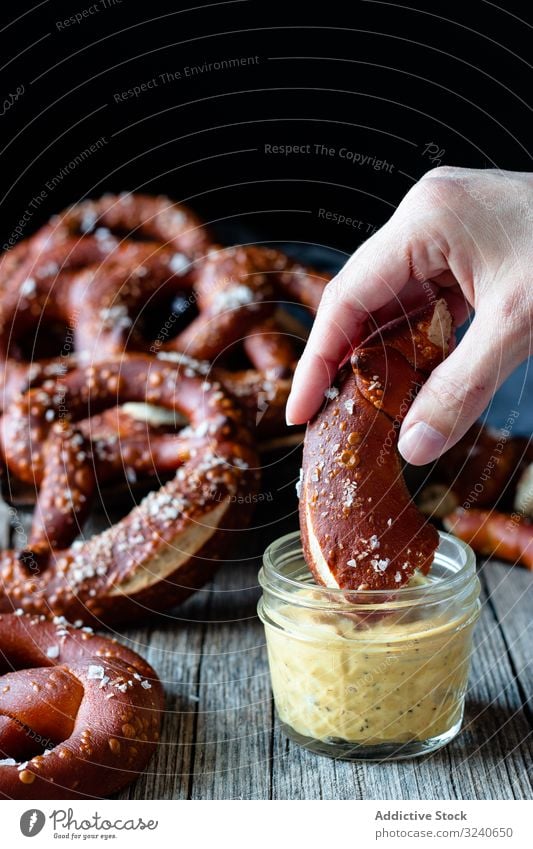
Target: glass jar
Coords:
[(371, 675)]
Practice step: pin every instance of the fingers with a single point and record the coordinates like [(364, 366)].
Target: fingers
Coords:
[(458, 391), (371, 278)]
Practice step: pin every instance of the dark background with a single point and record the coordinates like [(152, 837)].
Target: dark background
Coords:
[(413, 85)]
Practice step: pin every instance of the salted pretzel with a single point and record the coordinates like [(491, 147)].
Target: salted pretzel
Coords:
[(492, 533), (114, 279), (360, 528), (82, 258), (475, 487), (80, 714), (169, 544), (480, 470), (87, 302), (38, 276)]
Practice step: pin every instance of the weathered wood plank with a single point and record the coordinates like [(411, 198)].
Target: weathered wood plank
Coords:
[(234, 729), (510, 592), (492, 757), (174, 648)]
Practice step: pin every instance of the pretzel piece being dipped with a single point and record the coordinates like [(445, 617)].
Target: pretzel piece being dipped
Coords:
[(494, 534), (80, 714), (170, 543), (360, 529)]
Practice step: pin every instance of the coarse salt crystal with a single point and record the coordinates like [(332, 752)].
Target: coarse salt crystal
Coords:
[(350, 488), (52, 652), (380, 565), (179, 264), (95, 672), (28, 287)]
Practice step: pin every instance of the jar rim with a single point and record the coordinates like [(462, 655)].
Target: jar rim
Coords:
[(464, 561)]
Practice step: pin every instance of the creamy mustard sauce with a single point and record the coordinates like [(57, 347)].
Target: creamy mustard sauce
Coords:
[(337, 678)]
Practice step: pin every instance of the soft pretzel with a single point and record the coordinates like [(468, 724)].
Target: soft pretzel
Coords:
[(360, 529), (491, 533), (80, 714), (83, 258), (168, 545), (478, 471), (234, 288), (241, 293), (89, 292), (475, 485)]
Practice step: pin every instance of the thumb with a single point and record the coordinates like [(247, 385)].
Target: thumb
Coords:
[(457, 391)]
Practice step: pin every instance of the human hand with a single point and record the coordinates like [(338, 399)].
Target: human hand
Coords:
[(462, 234)]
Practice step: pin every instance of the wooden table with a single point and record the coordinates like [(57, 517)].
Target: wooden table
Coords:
[(221, 738)]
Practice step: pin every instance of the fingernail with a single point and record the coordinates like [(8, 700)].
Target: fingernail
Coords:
[(289, 423), (421, 444)]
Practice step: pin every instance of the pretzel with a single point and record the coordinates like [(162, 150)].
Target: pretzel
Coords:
[(481, 469), (360, 529), (38, 280), (80, 714), (241, 293), (117, 280), (236, 290), (494, 534), (493, 472), (86, 292), (167, 546)]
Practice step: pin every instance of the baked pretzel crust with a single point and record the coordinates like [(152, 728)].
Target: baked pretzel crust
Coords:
[(80, 714)]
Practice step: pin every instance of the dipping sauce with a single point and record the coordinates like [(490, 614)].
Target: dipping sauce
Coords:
[(386, 678)]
